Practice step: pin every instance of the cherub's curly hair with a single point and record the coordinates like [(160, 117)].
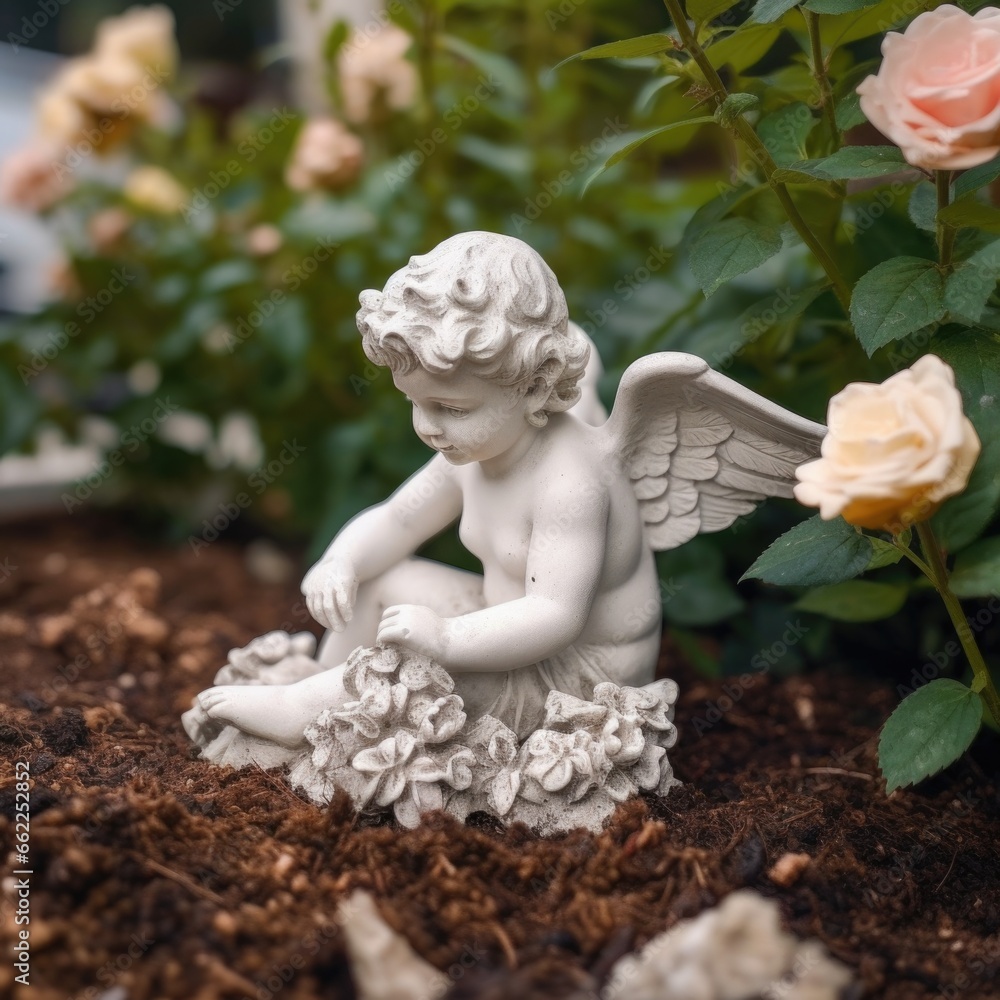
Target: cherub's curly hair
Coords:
[(481, 299)]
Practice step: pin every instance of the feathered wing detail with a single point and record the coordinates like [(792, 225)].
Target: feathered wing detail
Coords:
[(700, 449)]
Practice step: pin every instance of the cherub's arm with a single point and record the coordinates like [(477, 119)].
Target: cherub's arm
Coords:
[(565, 558), (380, 537)]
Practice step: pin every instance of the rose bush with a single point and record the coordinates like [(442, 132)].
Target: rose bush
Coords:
[(937, 93), (893, 452)]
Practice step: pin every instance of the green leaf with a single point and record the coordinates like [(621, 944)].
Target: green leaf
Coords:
[(971, 214), (885, 553), (970, 285), (837, 6), (785, 131), (923, 207), (701, 11), (970, 181), (929, 730), (895, 298), (848, 111), (741, 48), (620, 154), (228, 274), (766, 11), (286, 331), (855, 600), (510, 77), (975, 358), (977, 570), (734, 106), (701, 598), (850, 163), (813, 553), (335, 37), (730, 248), (627, 48)]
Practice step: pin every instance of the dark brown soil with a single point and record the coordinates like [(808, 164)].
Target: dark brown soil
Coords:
[(171, 878)]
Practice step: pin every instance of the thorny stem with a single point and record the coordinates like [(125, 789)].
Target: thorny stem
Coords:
[(937, 573), (760, 153), (819, 73), (945, 233)]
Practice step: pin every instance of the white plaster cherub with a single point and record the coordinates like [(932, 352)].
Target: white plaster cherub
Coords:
[(563, 510)]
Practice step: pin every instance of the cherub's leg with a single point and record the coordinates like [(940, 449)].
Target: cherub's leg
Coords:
[(281, 712), (444, 589), (278, 712)]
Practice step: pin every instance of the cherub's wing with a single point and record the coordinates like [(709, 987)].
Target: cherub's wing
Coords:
[(700, 449)]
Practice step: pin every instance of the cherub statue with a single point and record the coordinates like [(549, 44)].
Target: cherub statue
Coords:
[(563, 508)]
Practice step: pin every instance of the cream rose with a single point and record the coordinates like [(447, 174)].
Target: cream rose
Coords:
[(373, 65), (143, 35), (893, 452), (326, 155), (937, 92), (155, 190)]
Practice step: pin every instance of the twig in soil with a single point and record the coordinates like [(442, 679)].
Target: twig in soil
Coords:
[(802, 815), (227, 978), (281, 786), (948, 872), (180, 879), (508, 949), (839, 770)]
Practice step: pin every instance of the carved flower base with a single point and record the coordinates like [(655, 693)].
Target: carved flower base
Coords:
[(404, 743)]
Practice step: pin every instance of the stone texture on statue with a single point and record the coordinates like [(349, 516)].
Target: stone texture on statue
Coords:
[(527, 691)]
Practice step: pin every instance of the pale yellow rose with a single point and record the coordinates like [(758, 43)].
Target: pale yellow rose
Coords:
[(326, 155), (937, 92), (155, 190), (375, 65), (893, 452), (143, 35), (32, 178)]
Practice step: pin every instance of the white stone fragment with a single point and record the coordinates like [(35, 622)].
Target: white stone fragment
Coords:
[(736, 951), (383, 965)]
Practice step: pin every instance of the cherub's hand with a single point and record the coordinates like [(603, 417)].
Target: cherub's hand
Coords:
[(416, 627), (330, 588)]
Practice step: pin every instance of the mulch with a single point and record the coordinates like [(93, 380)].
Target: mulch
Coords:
[(157, 875)]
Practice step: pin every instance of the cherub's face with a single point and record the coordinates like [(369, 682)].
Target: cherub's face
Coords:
[(463, 416)]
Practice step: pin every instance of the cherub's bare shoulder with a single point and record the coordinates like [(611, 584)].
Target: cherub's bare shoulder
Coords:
[(576, 462)]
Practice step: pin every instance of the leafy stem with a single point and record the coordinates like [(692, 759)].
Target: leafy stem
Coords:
[(945, 233), (820, 74), (760, 153), (933, 567)]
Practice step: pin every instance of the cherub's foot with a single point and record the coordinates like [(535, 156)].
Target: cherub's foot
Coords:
[(268, 712), (199, 725)]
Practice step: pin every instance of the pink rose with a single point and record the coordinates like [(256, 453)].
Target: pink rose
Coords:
[(325, 155), (32, 178), (937, 92)]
